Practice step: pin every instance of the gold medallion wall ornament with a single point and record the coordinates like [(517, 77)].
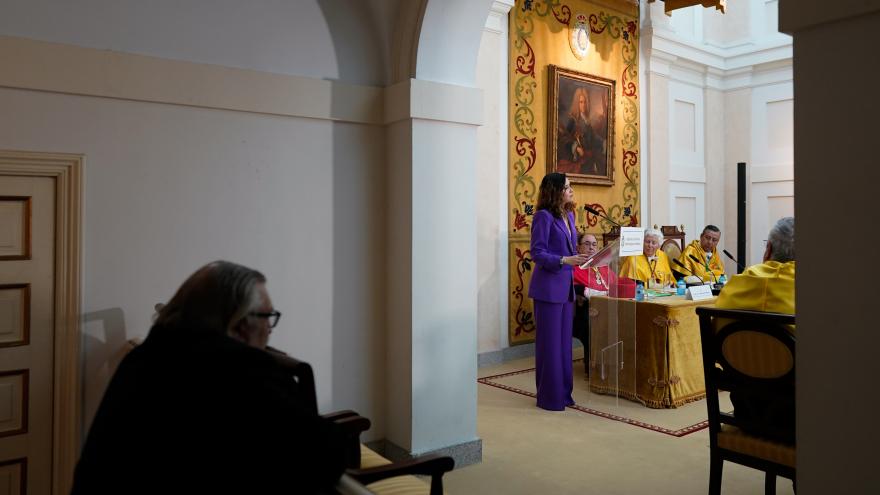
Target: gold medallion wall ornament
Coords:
[(579, 38)]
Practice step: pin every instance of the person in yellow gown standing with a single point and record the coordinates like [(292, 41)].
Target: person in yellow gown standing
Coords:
[(652, 267), (709, 266)]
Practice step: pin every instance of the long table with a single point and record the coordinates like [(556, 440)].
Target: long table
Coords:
[(657, 360)]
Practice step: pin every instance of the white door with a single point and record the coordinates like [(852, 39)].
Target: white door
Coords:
[(27, 277)]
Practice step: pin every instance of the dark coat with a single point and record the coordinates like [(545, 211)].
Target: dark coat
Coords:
[(199, 412)]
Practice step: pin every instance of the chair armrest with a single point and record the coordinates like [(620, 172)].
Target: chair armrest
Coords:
[(351, 425), (429, 465), (350, 486), (335, 415)]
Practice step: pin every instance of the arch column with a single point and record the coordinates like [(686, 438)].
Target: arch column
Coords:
[(432, 150), (432, 253)]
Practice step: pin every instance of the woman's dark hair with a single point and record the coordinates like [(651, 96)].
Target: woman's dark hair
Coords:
[(214, 298), (550, 196)]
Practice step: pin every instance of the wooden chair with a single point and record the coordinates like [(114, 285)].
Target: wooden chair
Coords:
[(673, 240), (611, 236), (378, 474), (750, 354)]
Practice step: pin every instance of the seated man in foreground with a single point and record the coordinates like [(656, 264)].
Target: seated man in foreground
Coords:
[(201, 407), (708, 266), (769, 287), (652, 267)]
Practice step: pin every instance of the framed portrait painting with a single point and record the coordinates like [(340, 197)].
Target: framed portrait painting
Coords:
[(580, 126)]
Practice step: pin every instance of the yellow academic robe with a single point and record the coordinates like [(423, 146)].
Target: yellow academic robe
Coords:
[(699, 269), (638, 268), (766, 287)]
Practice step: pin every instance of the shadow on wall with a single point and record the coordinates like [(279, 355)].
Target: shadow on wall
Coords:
[(104, 346), (361, 37), (358, 215)]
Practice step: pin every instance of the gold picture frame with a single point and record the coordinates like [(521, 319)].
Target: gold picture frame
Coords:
[(580, 126)]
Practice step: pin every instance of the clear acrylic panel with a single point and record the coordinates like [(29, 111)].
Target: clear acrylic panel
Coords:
[(611, 360)]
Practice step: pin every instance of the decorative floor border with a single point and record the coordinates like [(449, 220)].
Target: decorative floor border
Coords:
[(687, 430)]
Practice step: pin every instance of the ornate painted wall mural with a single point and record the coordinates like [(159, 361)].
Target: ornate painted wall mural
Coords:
[(598, 38)]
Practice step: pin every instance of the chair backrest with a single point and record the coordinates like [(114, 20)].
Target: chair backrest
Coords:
[(673, 240), (611, 236), (301, 374), (750, 353)]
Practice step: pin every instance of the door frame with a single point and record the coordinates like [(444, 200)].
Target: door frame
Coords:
[(67, 170)]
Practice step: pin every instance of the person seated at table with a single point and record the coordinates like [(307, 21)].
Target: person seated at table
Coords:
[(596, 280), (652, 267), (768, 286), (588, 282), (709, 267)]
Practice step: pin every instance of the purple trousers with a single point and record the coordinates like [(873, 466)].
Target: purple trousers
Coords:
[(553, 375)]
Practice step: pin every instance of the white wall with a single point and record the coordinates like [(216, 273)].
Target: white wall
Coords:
[(242, 147), (168, 189), (720, 90), (306, 38), (837, 338), (491, 183), (169, 186)]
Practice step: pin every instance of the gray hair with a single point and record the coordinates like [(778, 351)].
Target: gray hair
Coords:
[(654, 232), (781, 240), (215, 298)]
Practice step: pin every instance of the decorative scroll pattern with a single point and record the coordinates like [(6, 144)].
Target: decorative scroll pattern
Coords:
[(626, 31), (527, 139), (525, 322), (592, 220), (525, 64)]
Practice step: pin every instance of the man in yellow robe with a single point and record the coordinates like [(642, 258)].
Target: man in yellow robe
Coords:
[(768, 287), (652, 267), (708, 266)]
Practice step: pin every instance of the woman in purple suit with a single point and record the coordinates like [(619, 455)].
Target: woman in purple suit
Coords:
[(554, 252)]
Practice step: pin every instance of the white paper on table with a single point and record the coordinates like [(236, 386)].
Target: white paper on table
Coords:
[(632, 241), (699, 292)]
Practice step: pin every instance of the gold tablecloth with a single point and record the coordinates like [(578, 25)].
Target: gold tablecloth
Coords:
[(662, 361)]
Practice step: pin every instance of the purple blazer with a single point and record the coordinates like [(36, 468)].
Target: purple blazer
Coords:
[(551, 282)]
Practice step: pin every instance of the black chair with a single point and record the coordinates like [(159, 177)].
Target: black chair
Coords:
[(751, 354), (610, 236), (352, 425)]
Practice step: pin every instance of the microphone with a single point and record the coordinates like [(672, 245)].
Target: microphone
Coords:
[(679, 263), (595, 212), (697, 260), (741, 268)]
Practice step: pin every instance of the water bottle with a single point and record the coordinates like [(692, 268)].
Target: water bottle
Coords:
[(681, 287), (640, 291), (722, 279)]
